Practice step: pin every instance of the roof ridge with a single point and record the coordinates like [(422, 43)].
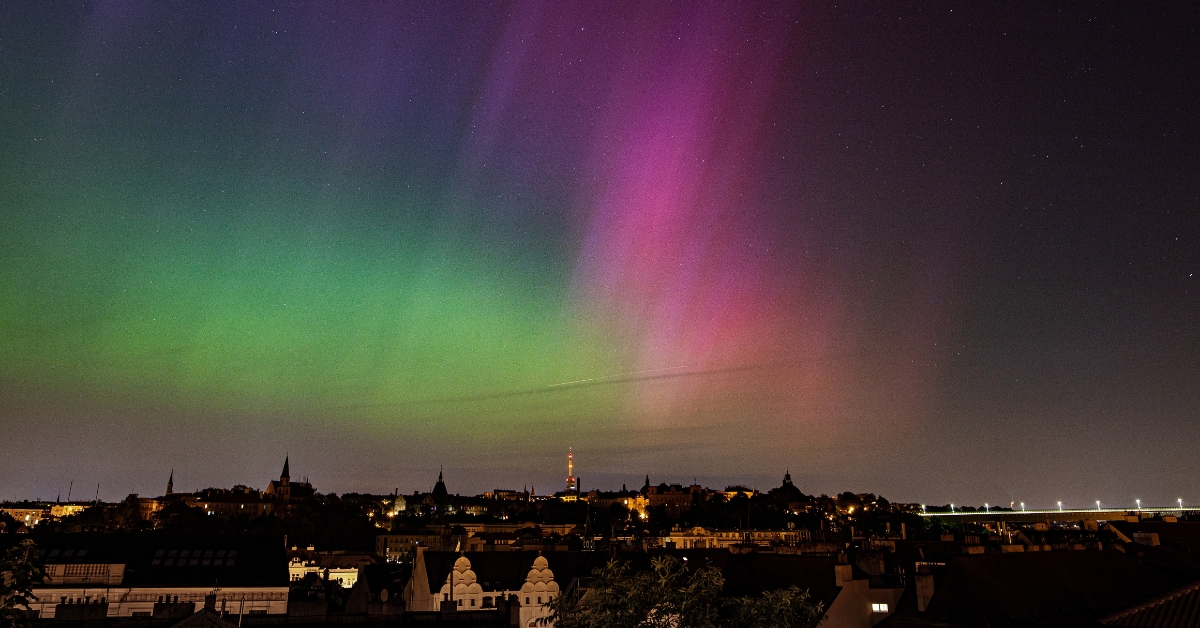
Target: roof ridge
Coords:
[(1158, 601)]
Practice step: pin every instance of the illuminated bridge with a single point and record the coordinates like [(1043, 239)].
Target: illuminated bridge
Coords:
[(1056, 514)]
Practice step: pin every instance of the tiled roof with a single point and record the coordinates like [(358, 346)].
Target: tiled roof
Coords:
[(248, 560), (1177, 609), (175, 560), (1071, 588)]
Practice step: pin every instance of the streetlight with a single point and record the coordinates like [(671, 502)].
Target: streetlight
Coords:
[(1180, 500), (1098, 505), (951, 507), (986, 508), (1059, 506), (1022, 506), (1139, 503), (922, 508)]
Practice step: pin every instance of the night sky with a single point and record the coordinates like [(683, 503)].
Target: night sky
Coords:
[(944, 252)]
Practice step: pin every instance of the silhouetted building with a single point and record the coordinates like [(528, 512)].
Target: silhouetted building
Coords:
[(285, 490)]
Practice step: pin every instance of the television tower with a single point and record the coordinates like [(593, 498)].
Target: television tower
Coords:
[(571, 484)]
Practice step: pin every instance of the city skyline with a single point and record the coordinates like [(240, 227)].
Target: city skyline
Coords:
[(942, 253), (571, 484)]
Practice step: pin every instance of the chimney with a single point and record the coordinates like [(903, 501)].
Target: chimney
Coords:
[(924, 586), (842, 574), (210, 602), (514, 611)]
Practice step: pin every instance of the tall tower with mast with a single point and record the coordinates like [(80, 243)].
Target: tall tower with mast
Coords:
[(572, 485)]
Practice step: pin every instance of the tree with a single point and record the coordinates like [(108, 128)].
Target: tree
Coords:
[(785, 608), (21, 568), (673, 595)]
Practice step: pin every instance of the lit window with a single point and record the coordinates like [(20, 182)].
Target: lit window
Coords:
[(879, 608)]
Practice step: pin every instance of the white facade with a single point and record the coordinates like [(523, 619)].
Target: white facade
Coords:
[(535, 594), (539, 585), (344, 576)]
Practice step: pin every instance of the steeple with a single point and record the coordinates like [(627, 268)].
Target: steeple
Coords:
[(285, 477), (439, 490), (171, 483), (787, 477)]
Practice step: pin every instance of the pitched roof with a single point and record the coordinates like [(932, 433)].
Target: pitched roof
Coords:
[(1186, 533), (176, 560), (245, 560), (1074, 588), (1177, 609)]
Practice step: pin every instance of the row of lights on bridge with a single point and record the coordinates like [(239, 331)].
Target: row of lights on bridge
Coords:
[(988, 508)]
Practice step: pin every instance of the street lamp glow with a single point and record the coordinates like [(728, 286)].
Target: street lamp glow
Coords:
[(1180, 500), (922, 508), (986, 508), (1059, 506), (951, 507), (1022, 506), (1098, 505), (1139, 503)]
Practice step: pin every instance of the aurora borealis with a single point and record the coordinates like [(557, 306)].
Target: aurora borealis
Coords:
[(938, 254)]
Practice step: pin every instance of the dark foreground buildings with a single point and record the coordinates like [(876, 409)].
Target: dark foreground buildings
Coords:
[(291, 556)]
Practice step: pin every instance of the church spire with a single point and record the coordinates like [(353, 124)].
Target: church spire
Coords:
[(171, 483), (440, 494), (285, 476)]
